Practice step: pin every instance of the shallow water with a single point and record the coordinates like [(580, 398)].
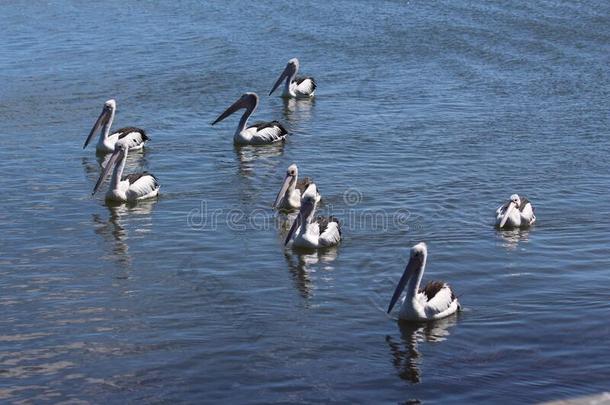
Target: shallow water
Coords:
[(428, 115)]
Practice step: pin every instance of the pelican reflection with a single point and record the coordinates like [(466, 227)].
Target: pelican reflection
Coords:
[(304, 263), (248, 156), (114, 230), (406, 357), (297, 110), (511, 238)]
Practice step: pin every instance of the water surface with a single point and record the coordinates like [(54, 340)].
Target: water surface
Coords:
[(428, 115)]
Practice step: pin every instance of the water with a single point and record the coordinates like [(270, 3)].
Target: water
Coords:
[(428, 115)]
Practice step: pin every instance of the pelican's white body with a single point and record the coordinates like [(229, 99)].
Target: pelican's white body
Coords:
[(293, 201), (107, 143), (308, 235), (252, 136), (305, 89), (516, 217), (142, 189), (420, 309)]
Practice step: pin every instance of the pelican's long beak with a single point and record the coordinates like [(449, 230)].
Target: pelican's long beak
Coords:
[(509, 209), (101, 120), (285, 74), (413, 265), (287, 180), (106, 170), (304, 213), (234, 107)]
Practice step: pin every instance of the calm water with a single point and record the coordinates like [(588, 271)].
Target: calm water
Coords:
[(428, 115)]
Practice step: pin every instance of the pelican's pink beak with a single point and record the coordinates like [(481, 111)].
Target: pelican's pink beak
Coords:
[(101, 121), (287, 180), (107, 168), (247, 101)]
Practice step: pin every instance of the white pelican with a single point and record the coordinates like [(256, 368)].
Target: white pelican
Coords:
[(289, 197), (130, 188), (295, 87), (309, 232), (258, 133), (134, 138), (434, 301), (517, 212)]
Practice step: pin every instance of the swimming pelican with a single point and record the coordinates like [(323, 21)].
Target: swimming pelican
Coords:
[(434, 301), (517, 212), (295, 87), (257, 134), (289, 196), (134, 138), (130, 188), (309, 232)]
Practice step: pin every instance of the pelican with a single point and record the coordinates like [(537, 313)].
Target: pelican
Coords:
[(309, 232), (435, 301), (295, 87), (289, 197), (130, 188), (517, 212), (258, 133), (134, 138)]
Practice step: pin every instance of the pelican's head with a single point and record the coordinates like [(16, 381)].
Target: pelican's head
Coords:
[(516, 200), (289, 180), (416, 264), (293, 65), (419, 251), (103, 119), (249, 101), (121, 146), (292, 170), (291, 69), (310, 194), (110, 104)]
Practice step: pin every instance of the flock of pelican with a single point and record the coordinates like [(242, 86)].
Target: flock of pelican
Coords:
[(434, 301)]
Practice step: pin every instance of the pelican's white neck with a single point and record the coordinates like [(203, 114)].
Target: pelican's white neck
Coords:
[(307, 221), (293, 185), (243, 121), (106, 128), (288, 91), (415, 281), (118, 172)]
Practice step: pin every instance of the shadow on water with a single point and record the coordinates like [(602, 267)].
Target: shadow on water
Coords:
[(114, 230), (405, 354)]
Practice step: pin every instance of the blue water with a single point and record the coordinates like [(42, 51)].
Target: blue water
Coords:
[(428, 115)]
